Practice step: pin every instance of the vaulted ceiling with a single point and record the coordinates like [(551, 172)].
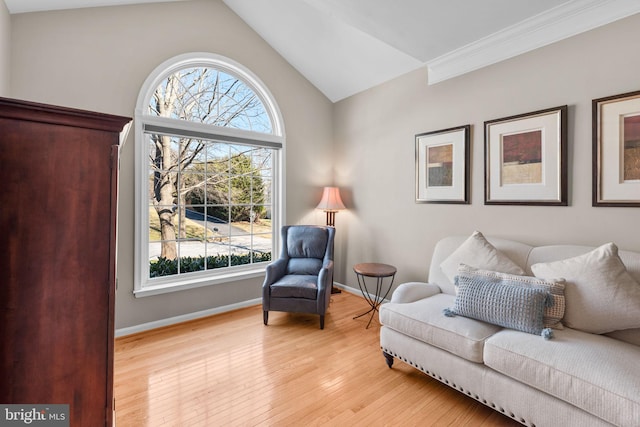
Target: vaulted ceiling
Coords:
[(346, 46)]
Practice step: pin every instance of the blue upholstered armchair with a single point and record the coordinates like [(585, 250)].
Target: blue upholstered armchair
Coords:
[(300, 280)]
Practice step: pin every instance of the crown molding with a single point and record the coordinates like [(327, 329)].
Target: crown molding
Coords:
[(556, 24)]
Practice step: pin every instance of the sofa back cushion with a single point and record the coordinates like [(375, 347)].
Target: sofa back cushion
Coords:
[(515, 251), (477, 252), (601, 294), (631, 260)]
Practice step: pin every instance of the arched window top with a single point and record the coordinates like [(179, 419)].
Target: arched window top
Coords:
[(211, 90), (210, 96)]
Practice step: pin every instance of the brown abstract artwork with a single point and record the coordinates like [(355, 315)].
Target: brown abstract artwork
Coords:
[(631, 156), (522, 158), (440, 166)]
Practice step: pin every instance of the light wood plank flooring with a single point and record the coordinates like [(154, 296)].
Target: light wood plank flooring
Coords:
[(231, 370)]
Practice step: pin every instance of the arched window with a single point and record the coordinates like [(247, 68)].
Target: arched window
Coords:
[(209, 150)]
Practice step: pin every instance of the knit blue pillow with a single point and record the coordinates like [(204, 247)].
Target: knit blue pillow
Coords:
[(509, 306)]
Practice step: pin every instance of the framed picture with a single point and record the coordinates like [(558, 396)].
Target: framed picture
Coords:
[(526, 159), (616, 150), (442, 166)]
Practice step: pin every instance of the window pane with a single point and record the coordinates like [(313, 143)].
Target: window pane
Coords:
[(240, 250), (192, 256), (267, 183), (162, 267), (262, 219), (218, 260), (240, 229), (210, 96), (262, 246), (155, 230), (240, 191), (195, 224)]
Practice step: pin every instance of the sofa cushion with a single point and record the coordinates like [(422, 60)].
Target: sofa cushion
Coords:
[(601, 296), (552, 315), (631, 336), (595, 373), (423, 320), (500, 303), (477, 252)]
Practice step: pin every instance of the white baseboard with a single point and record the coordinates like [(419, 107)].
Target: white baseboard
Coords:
[(349, 289), (355, 291), (185, 317), (209, 312)]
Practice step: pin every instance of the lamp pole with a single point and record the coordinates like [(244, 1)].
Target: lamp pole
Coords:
[(331, 203)]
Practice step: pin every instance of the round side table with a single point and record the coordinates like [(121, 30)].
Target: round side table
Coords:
[(379, 272)]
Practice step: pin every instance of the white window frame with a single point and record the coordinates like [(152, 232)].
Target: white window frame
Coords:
[(145, 123)]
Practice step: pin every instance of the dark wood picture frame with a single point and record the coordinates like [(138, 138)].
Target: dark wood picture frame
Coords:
[(443, 165), (526, 159), (616, 141)]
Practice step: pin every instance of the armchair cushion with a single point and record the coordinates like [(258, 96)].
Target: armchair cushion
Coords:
[(296, 286), (306, 266), (306, 242)]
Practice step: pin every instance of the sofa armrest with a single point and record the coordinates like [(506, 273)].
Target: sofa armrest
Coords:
[(414, 291)]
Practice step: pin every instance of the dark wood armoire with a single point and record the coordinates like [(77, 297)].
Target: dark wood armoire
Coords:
[(58, 178)]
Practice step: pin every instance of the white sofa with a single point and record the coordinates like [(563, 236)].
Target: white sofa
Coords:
[(576, 378)]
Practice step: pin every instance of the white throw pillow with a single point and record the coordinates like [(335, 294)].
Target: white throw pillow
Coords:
[(477, 252), (601, 296)]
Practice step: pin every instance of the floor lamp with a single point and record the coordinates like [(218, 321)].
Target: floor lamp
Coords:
[(331, 203)]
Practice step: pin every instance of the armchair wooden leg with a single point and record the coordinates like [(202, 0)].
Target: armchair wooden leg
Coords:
[(321, 321), (265, 315)]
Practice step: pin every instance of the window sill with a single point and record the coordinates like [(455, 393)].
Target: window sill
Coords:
[(170, 284)]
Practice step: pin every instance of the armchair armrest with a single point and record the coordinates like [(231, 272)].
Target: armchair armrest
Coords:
[(414, 291), (325, 276), (275, 271)]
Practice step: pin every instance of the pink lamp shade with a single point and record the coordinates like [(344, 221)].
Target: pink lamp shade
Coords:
[(331, 203)]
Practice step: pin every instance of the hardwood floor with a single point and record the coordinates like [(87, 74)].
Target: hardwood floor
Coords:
[(231, 370)]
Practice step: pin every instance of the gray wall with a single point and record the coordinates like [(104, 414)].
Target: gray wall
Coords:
[(5, 48), (374, 158), (98, 59)]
